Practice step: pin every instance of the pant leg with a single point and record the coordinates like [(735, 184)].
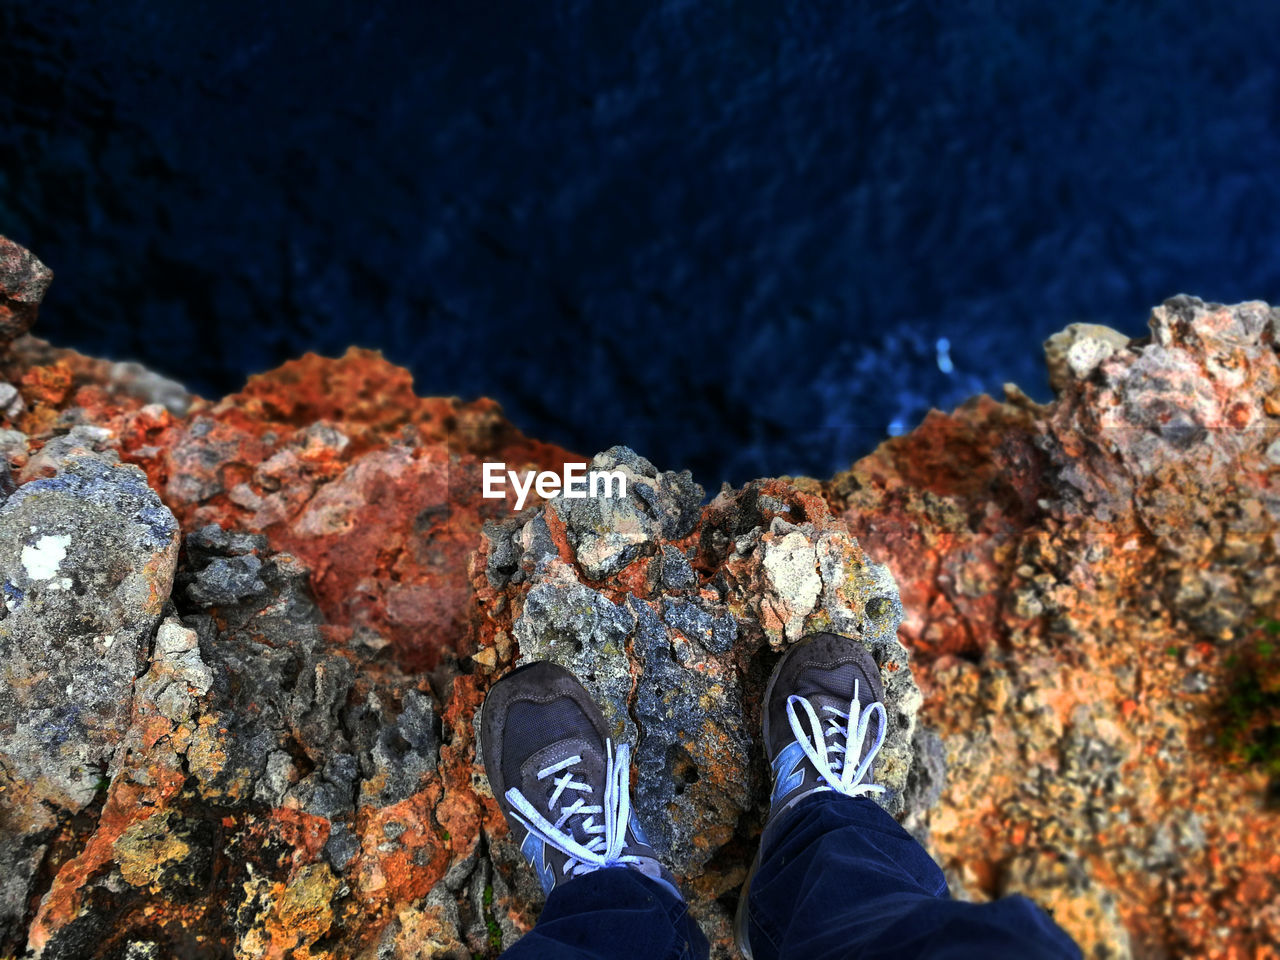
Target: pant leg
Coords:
[(612, 913), (840, 878)]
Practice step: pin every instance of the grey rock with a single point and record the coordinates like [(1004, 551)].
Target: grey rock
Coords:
[(677, 574), (11, 403), (86, 561), (1196, 682), (23, 282), (525, 890), (315, 705), (477, 932), (13, 445), (535, 539), (928, 776), (1077, 350), (194, 461), (149, 386), (177, 677), (341, 847), (517, 546), (607, 533), (460, 870), (397, 752), (274, 695), (287, 726), (341, 768), (20, 857), (280, 774), (227, 580), (569, 623), (692, 722), (321, 797), (711, 631), (211, 541), (504, 552)]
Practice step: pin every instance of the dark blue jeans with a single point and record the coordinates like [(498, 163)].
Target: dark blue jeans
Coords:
[(838, 878)]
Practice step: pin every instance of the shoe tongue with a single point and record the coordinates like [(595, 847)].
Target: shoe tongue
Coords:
[(832, 688), (589, 770)]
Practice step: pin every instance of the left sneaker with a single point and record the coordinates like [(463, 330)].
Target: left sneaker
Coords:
[(563, 786)]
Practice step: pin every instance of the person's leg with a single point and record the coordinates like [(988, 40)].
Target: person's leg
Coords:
[(841, 878), (837, 875), (563, 787), (612, 913)]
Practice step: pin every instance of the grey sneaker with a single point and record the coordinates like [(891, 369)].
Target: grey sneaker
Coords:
[(822, 701), (560, 781)]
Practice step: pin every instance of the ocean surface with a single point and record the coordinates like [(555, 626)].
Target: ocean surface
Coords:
[(747, 239)]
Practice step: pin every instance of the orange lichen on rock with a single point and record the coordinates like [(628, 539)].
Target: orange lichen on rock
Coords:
[(336, 461), (1075, 575), (297, 730), (289, 766)]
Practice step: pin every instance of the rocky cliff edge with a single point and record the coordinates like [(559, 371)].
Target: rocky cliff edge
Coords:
[(243, 642)]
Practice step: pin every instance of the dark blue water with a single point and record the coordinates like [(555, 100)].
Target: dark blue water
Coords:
[(732, 236)]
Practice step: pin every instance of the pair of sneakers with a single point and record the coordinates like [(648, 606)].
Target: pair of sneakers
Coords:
[(564, 786)]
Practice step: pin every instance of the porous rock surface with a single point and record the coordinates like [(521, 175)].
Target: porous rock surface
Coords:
[(307, 599)]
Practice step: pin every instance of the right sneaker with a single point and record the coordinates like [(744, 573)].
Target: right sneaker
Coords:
[(563, 786), (821, 701)]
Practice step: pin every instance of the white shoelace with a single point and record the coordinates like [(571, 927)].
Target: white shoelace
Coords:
[(814, 744), (604, 849)]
